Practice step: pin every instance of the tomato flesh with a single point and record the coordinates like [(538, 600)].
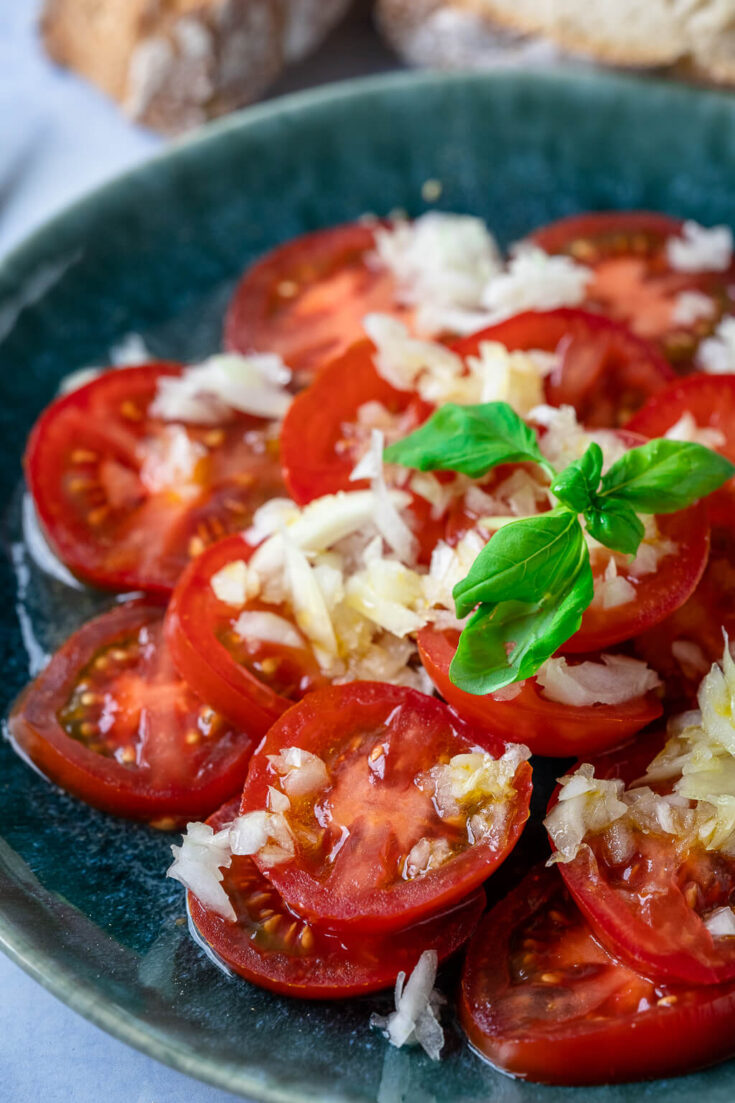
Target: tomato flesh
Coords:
[(250, 681), (355, 833), (110, 721), (604, 371), (274, 947), (542, 1000), (306, 300), (88, 464), (546, 727), (633, 281), (649, 907)]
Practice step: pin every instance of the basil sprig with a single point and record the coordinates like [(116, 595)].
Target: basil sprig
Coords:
[(531, 583)]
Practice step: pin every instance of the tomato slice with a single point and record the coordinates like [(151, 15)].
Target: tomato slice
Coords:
[(649, 907), (110, 721), (375, 847), (710, 399), (306, 299), (633, 281), (605, 372), (683, 647), (273, 947), (88, 466), (249, 680), (657, 594), (542, 1000), (547, 727), (322, 437)]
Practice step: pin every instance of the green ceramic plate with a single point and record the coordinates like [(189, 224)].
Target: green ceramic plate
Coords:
[(84, 905)]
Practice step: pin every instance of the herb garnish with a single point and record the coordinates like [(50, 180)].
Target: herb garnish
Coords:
[(531, 583)]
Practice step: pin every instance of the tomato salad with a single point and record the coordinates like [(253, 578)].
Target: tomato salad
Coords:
[(431, 512)]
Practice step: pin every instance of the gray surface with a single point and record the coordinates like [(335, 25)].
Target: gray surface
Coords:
[(58, 138)]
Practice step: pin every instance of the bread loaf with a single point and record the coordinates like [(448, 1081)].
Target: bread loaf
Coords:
[(172, 64), (693, 37)]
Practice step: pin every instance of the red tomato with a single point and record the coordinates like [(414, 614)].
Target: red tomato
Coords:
[(633, 281), (110, 721), (543, 1001), (604, 372), (649, 908), (546, 726), (322, 438), (710, 399), (354, 834), (657, 594), (248, 680), (683, 647), (86, 464), (275, 948), (306, 299)]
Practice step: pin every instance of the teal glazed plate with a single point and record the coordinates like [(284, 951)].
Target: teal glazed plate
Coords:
[(84, 903)]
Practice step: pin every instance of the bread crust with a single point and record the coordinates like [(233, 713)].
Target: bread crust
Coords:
[(173, 64)]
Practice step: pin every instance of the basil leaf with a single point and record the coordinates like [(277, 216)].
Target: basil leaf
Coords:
[(663, 476), (468, 439), (616, 525), (526, 559), (509, 642), (575, 486)]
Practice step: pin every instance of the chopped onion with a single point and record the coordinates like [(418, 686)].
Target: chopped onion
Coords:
[(198, 865), (612, 681), (415, 1020)]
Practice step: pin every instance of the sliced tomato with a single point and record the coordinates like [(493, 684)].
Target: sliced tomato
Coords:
[(306, 299), (273, 947), (633, 281), (249, 680), (322, 437), (710, 399), (547, 727), (649, 908), (604, 371), (542, 1000), (657, 594), (88, 464), (356, 862), (110, 721), (683, 647)]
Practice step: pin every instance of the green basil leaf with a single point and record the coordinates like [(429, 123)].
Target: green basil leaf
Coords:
[(509, 642), (469, 439), (616, 525), (575, 486), (526, 559), (663, 476)]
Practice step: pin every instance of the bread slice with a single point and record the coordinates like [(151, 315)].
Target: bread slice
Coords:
[(438, 34), (172, 64), (637, 33)]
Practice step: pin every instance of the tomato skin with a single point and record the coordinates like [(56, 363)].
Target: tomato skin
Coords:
[(600, 1023), (360, 888), (83, 465), (710, 399), (632, 280), (311, 962), (639, 911), (170, 781), (306, 299), (658, 594), (546, 727), (606, 372), (317, 457), (699, 622), (192, 624)]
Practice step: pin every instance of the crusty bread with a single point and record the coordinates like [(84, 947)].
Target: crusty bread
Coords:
[(172, 64), (439, 34), (695, 37)]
